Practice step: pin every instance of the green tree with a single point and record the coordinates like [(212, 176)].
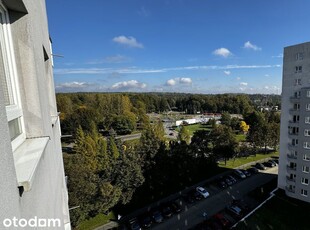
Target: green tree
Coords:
[(225, 144), (184, 135), (226, 119)]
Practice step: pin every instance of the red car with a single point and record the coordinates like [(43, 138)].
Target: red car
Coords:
[(222, 220)]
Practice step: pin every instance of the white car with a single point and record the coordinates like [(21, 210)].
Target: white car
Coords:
[(202, 191)]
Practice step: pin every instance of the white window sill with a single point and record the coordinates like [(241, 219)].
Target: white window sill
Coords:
[(55, 119), (26, 159)]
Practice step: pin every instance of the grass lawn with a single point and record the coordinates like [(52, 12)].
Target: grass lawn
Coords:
[(232, 163), (193, 128), (241, 137), (95, 222), (281, 212)]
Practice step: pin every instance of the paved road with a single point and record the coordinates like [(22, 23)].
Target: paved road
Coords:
[(217, 201), (129, 137)]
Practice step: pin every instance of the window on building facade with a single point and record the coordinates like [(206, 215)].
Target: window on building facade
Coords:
[(297, 94), (307, 132), (305, 169), (299, 56), (295, 142), (307, 145), (8, 81), (308, 93), (304, 192), (306, 157), (296, 106), (298, 69), (296, 118), (308, 107), (307, 120), (297, 81), (304, 181)]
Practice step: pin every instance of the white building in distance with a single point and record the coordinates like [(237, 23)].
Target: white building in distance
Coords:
[(294, 165)]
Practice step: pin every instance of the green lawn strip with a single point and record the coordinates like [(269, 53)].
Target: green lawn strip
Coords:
[(232, 163), (195, 127), (95, 222), (280, 212), (241, 137)]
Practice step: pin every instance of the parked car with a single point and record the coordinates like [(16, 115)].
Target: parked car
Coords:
[(166, 211), (202, 191), (146, 221), (241, 204), (276, 160), (221, 184), (268, 164), (235, 211), (134, 224), (253, 170), (246, 172), (188, 198), (273, 163), (232, 178), (222, 220), (239, 174), (260, 166), (157, 216), (176, 208), (195, 195), (228, 181)]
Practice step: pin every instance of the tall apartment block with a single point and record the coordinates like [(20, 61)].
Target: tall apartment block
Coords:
[(294, 166), (32, 186)]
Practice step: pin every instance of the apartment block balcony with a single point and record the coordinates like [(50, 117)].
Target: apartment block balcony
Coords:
[(291, 168), (290, 179), (292, 147), (293, 122), (294, 111), (293, 134), (291, 156), (294, 99), (289, 189)]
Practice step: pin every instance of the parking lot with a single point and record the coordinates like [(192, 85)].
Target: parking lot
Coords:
[(197, 212)]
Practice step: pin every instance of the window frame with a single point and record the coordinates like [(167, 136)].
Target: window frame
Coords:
[(305, 169), (304, 192), (14, 109)]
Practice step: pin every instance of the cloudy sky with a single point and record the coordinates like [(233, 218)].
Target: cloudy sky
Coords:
[(194, 46)]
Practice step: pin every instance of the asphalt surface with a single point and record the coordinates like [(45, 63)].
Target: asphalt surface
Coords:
[(218, 200)]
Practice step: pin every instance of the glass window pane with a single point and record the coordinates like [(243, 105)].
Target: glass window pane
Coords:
[(15, 128)]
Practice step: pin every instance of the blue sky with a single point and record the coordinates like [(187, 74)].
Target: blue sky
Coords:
[(193, 46)]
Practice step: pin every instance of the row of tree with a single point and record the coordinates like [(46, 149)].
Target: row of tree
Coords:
[(125, 112)]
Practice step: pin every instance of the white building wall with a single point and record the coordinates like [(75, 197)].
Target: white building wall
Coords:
[(47, 197), (289, 88)]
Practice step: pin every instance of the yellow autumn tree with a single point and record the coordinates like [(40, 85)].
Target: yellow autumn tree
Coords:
[(244, 127)]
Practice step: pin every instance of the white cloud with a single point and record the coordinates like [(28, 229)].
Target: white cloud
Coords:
[(227, 72), (135, 70), (243, 83), (222, 52), (178, 80), (125, 85), (185, 80), (128, 41), (171, 82), (76, 87), (249, 45), (73, 84), (278, 56), (238, 78), (110, 59)]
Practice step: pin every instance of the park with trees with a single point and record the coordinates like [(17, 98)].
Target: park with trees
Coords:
[(107, 174)]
